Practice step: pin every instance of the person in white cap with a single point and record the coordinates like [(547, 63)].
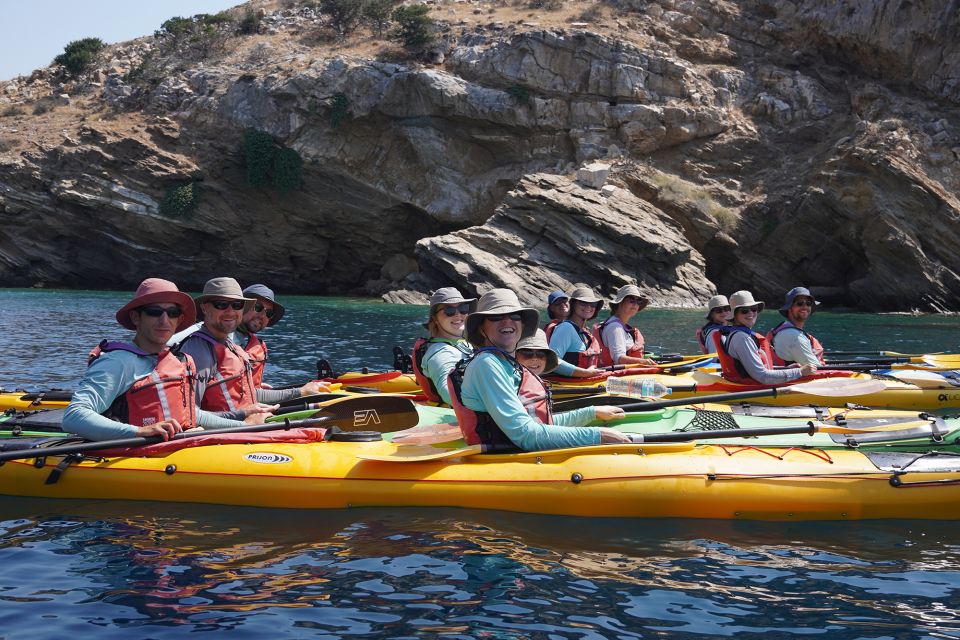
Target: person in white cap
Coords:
[(435, 357), (744, 354), (498, 402), (619, 342), (791, 343), (719, 314)]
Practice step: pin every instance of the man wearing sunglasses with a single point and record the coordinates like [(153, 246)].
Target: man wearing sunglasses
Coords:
[(224, 371), (266, 312), (141, 388), (790, 341)]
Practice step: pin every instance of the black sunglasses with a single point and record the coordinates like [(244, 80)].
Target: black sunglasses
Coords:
[(753, 309), (156, 312), (462, 309), (259, 308), (513, 316), (220, 305), (715, 309), (531, 353), (803, 303)]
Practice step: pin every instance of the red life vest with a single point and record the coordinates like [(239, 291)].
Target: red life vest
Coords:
[(419, 351), (605, 358), (783, 326), (591, 352), (730, 367), (702, 335), (549, 327), (478, 427), (257, 352), (232, 387), (166, 394)]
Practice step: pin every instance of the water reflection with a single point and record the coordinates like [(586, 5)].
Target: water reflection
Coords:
[(462, 573)]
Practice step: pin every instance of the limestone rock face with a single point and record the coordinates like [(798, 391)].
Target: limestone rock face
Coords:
[(550, 232)]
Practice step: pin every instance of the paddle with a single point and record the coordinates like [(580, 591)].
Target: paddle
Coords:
[(349, 414)]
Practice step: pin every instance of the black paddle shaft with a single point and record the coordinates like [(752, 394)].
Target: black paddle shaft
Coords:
[(688, 436), (679, 402)]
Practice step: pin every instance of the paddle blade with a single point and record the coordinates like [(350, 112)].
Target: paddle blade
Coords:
[(837, 387), (370, 413)]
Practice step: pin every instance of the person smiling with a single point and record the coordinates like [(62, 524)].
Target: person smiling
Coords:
[(790, 341), (141, 388), (435, 357), (498, 402), (744, 354), (619, 342), (719, 314), (224, 371)]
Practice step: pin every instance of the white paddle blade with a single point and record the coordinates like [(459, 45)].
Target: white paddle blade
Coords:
[(838, 387)]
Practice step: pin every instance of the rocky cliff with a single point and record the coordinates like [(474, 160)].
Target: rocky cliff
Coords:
[(760, 144)]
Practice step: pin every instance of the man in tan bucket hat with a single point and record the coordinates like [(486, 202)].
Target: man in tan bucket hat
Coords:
[(498, 402), (744, 354), (138, 388)]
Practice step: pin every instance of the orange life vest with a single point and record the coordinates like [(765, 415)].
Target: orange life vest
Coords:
[(166, 394), (783, 326), (730, 367), (605, 358), (478, 427), (419, 351), (232, 387), (257, 352), (549, 327), (591, 352)]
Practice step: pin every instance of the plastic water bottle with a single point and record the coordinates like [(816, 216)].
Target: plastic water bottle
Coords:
[(639, 387)]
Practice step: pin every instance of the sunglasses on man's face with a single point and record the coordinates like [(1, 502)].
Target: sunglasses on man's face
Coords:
[(462, 309), (220, 305), (532, 353), (803, 303), (516, 317), (725, 309), (753, 309), (156, 312), (259, 308)]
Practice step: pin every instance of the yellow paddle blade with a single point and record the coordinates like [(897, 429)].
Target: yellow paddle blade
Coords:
[(944, 361), (836, 387)]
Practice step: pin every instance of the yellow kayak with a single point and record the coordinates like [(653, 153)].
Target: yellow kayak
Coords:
[(30, 401), (644, 481)]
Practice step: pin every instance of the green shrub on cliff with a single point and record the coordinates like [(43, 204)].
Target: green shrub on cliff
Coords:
[(79, 55), (339, 105), (180, 200), (270, 164), (676, 189), (414, 27), (344, 15), (287, 171), (376, 14)]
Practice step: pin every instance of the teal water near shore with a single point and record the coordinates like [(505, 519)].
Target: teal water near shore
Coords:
[(144, 570)]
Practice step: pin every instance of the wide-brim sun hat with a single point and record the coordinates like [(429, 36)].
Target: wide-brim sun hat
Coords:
[(588, 295), (744, 299), (222, 289), (263, 292), (629, 290), (713, 303), (538, 341), (448, 295), (157, 290), (792, 295), (499, 302)]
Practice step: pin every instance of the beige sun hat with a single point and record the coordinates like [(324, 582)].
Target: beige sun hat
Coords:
[(714, 302), (629, 290), (588, 295), (498, 302), (538, 341), (222, 289), (744, 299), (444, 296)]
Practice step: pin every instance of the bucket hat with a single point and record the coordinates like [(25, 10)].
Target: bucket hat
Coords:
[(792, 295), (744, 299), (498, 302), (538, 341), (264, 292), (629, 290), (588, 295), (222, 289), (713, 303), (448, 295), (154, 290)]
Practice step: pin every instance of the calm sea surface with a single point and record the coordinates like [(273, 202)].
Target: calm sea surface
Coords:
[(145, 570)]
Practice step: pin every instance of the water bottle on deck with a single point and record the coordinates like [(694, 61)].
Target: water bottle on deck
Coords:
[(638, 387)]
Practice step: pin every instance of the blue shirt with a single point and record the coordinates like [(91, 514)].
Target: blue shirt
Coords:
[(107, 378), (439, 359), (564, 340), (490, 384)]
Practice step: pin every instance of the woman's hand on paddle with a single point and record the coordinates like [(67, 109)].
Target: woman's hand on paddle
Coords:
[(314, 387), (592, 372), (611, 436), (807, 369), (258, 413), (166, 429), (605, 412)]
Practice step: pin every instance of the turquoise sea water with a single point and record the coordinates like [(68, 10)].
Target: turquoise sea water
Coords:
[(145, 570)]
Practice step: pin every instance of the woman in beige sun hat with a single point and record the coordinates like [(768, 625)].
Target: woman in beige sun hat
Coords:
[(572, 340), (719, 314), (619, 342), (435, 357), (745, 354), (498, 402)]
